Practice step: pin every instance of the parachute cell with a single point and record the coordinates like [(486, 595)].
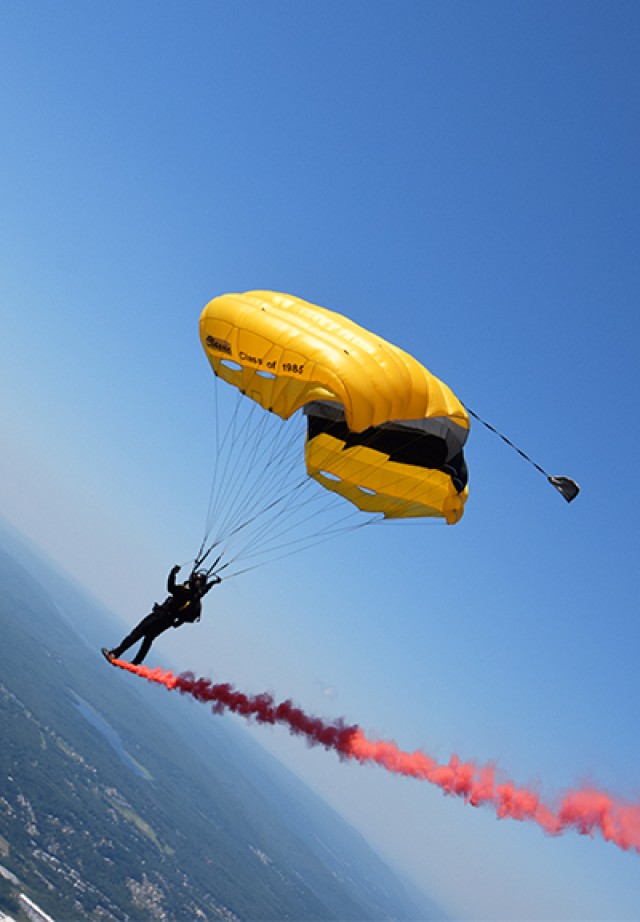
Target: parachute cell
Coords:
[(382, 431)]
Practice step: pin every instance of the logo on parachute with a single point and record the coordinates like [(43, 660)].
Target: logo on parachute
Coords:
[(220, 345)]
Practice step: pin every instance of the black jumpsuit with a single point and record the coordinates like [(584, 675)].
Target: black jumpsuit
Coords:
[(182, 605)]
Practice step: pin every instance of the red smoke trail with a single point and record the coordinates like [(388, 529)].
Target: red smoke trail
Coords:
[(261, 707), (585, 810)]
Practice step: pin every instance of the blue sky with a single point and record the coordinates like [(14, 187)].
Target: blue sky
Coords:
[(461, 178)]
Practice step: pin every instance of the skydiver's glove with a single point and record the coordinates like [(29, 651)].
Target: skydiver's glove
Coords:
[(212, 582), (177, 622)]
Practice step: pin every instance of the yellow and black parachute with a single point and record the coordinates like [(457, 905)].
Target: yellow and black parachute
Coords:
[(381, 431)]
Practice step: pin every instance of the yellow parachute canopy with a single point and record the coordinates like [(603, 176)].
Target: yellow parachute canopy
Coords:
[(382, 430)]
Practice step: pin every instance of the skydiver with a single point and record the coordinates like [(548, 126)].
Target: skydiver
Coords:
[(182, 605)]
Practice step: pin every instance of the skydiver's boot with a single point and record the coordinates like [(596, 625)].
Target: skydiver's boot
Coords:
[(108, 654)]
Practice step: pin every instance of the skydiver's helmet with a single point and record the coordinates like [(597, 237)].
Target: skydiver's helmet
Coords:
[(198, 581)]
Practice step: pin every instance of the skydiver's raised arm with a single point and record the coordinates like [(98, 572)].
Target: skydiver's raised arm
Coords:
[(171, 580)]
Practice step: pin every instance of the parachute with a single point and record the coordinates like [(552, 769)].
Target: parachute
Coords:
[(382, 432)]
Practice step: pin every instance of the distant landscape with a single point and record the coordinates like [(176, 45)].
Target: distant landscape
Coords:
[(108, 812)]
